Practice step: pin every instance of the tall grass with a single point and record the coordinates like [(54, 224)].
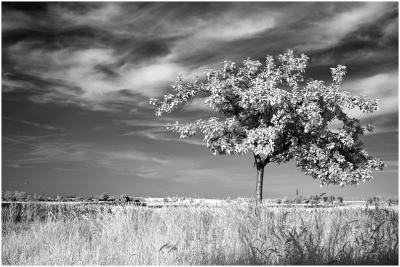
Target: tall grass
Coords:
[(44, 234)]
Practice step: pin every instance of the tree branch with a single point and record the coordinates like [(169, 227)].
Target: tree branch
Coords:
[(266, 161), (259, 162)]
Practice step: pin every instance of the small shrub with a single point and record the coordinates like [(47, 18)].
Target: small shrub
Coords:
[(112, 198), (124, 198), (104, 197), (278, 201), (20, 195), (9, 196), (392, 201), (298, 199), (38, 197), (340, 199), (373, 200), (286, 200), (313, 199)]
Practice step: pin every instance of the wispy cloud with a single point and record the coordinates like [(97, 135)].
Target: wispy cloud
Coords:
[(57, 152), (89, 68), (378, 85), (146, 165), (121, 161), (34, 124), (153, 121), (160, 134), (133, 155), (88, 52), (382, 86), (328, 32), (206, 175), (197, 104)]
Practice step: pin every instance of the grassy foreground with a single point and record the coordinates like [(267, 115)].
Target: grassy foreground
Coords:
[(62, 234)]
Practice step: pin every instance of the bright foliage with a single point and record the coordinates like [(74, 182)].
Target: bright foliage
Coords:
[(271, 111)]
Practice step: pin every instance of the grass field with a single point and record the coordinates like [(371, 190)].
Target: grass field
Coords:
[(83, 234)]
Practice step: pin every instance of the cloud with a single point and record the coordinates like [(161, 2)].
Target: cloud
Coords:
[(159, 122), (99, 15), (384, 123), (202, 174), (50, 152), (35, 124), (150, 80), (19, 141), (392, 163), (160, 134), (89, 51), (145, 165), (143, 123), (328, 32), (391, 29), (99, 70), (132, 155), (196, 104), (80, 77), (196, 171), (55, 151), (148, 50), (382, 86), (122, 161), (235, 25)]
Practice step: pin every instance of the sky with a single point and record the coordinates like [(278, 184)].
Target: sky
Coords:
[(77, 78)]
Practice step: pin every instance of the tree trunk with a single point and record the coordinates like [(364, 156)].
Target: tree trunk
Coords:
[(259, 186)]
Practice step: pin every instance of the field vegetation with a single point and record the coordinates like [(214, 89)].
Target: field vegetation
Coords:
[(246, 233)]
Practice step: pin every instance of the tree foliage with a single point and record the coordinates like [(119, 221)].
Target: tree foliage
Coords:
[(270, 110)]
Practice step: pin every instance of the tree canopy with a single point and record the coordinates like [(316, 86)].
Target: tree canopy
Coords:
[(270, 110)]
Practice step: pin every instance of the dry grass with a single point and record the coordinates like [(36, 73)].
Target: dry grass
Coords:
[(43, 234)]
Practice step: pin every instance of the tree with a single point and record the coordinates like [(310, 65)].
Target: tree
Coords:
[(272, 112), (125, 198), (9, 196), (104, 197), (20, 195), (38, 197), (29, 198)]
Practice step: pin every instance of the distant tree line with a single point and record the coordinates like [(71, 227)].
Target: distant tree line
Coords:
[(326, 200), (312, 199), (21, 196)]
